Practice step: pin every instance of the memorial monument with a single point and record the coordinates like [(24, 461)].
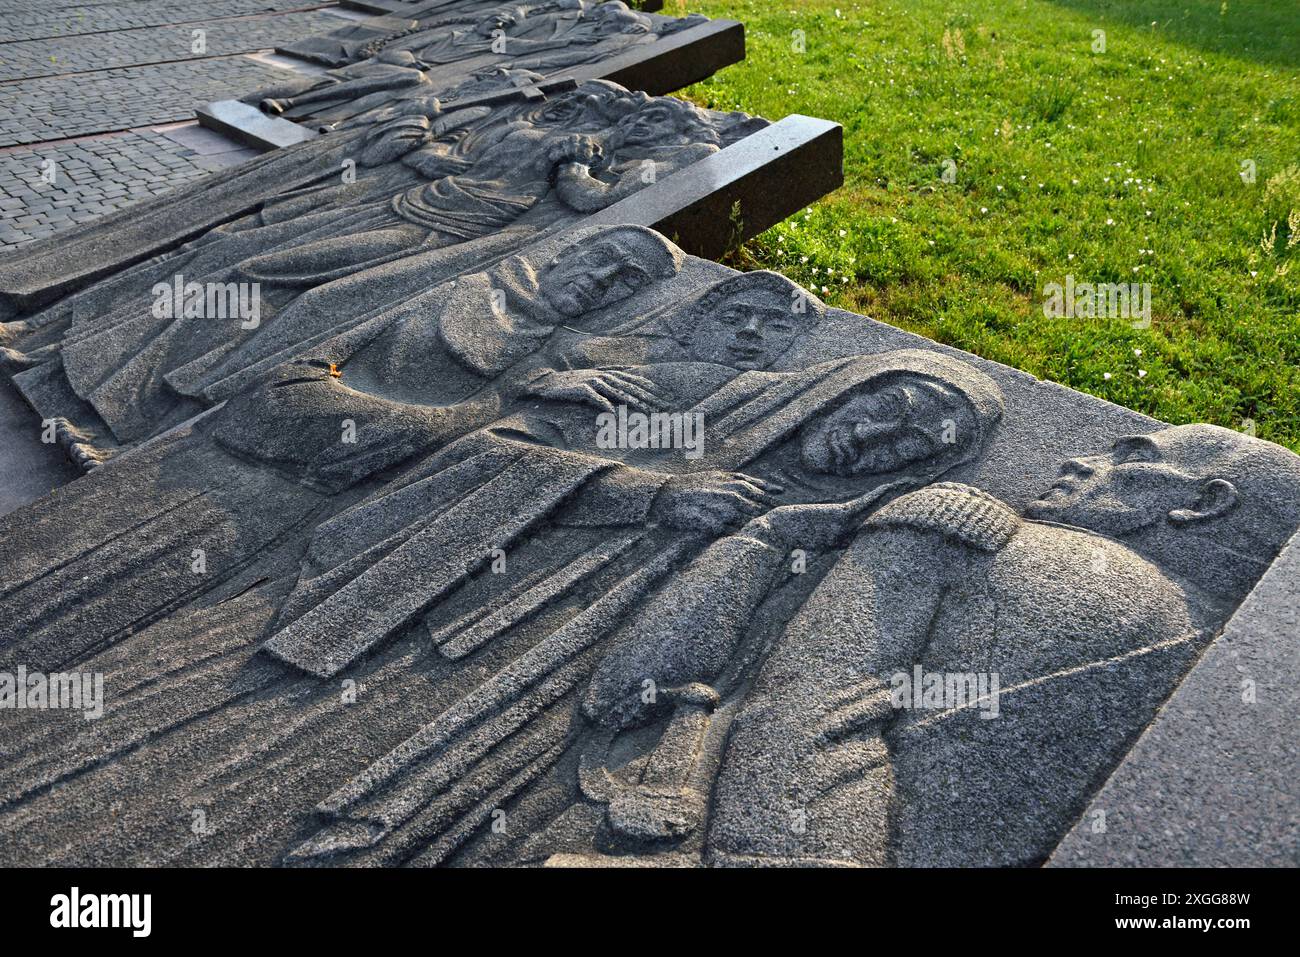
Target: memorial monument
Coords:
[(493, 527)]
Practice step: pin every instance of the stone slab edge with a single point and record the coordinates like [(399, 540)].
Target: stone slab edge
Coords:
[(658, 68), (752, 178), (676, 61), (249, 125), (1214, 781)]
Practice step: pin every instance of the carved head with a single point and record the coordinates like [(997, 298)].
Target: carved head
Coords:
[(606, 267), (664, 121), (595, 105), (747, 321), (888, 425), (1238, 495), (911, 411), (614, 16)]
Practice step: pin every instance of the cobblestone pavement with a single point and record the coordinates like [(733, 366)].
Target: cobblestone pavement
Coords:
[(52, 186), (203, 38), (35, 21), (87, 88), (34, 111)]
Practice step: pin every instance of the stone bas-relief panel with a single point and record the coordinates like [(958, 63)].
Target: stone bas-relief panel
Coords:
[(600, 554), (380, 61), (253, 265)]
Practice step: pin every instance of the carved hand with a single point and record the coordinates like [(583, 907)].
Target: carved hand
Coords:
[(573, 148), (712, 502), (600, 388), (816, 526)]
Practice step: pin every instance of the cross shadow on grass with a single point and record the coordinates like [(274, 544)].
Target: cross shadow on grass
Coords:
[(1262, 31)]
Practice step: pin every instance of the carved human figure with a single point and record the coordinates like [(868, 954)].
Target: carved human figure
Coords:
[(449, 212), (544, 38), (484, 191), (478, 89), (441, 348), (520, 178), (1089, 608), (563, 419), (365, 39), (390, 71), (505, 30), (694, 641), (249, 472), (394, 64), (769, 424), (137, 369), (748, 321)]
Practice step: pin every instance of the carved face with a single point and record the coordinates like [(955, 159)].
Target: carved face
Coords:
[(885, 429), (748, 331), (1142, 480), (584, 109), (592, 275), (656, 123), (614, 18)]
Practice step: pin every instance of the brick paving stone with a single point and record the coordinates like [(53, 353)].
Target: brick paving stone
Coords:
[(130, 170), (35, 21), (81, 54), (48, 108)]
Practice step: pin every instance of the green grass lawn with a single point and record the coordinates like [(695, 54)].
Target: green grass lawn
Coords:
[(1122, 165)]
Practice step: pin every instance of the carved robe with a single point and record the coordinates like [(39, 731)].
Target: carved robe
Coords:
[(353, 594), (1086, 636)]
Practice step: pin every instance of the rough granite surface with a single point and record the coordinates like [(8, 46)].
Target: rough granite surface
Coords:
[(1212, 782), (439, 511)]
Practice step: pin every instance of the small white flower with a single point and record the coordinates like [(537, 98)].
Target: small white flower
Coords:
[(1110, 222), (1142, 373), (1138, 353), (984, 209), (1106, 376)]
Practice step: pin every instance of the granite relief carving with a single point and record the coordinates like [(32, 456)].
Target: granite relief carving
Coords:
[(634, 554), (439, 507)]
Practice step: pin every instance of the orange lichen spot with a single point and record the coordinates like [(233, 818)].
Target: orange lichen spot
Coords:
[(334, 371)]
